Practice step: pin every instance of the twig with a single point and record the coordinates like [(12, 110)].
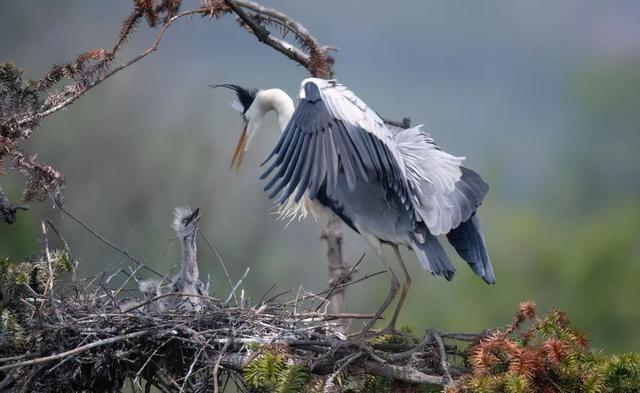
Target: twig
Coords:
[(328, 385), (75, 351), (407, 373), (164, 295), (460, 336), (186, 378), (343, 315), (73, 265), (80, 91), (317, 61), (12, 358), (103, 239), (348, 284), (217, 254), (435, 336), (216, 367), (235, 287), (47, 254), (144, 365), (343, 278)]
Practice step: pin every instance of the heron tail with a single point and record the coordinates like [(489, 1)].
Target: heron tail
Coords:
[(432, 256), (468, 241)]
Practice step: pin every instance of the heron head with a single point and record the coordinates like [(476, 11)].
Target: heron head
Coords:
[(185, 221), (252, 115), (254, 104)]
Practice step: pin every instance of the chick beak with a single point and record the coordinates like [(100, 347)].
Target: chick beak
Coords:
[(194, 217), (238, 154)]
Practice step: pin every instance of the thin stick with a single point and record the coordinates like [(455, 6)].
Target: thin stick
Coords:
[(224, 267), (216, 367), (328, 317), (79, 92), (137, 377), (155, 298), (233, 290), (342, 280), (74, 351), (103, 239), (186, 378), (328, 385), (435, 335), (49, 286), (74, 273), (363, 278)]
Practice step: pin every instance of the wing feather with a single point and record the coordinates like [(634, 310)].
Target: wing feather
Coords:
[(292, 177), (447, 192), (347, 138), (289, 165), (320, 167), (305, 176)]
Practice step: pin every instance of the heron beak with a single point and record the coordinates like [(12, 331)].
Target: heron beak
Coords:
[(241, 148)]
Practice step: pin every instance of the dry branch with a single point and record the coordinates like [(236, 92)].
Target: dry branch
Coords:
[(94, 338)]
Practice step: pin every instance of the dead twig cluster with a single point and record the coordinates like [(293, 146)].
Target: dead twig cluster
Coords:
[(85, 335), (23, 104), (80, 338)]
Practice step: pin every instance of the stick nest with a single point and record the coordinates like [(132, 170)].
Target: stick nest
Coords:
[(81, 336)]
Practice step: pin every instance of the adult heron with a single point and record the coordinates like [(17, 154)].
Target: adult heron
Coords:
[(391, 185)]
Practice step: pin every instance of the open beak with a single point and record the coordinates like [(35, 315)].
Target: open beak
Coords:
[(194, 217), (241, 148)]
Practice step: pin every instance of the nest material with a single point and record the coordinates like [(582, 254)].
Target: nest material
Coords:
[(80, 338)]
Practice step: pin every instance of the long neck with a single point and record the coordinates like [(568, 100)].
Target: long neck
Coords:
[(189, 259), (278, 101)]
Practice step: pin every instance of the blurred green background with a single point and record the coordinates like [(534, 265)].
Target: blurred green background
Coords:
[(542, 97)]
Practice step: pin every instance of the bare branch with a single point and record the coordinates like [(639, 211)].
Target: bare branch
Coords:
[(74, 351), (311, 55)]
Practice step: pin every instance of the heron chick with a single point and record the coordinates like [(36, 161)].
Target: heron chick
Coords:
[(185, 224)]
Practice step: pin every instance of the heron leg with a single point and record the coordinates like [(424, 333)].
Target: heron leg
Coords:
[(405, 288), (394, 285)]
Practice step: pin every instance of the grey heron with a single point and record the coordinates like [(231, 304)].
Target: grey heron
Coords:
[(391, 185)]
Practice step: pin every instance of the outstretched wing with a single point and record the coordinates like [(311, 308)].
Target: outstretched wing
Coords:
[(333, 133), (447, 194), (447, 198)]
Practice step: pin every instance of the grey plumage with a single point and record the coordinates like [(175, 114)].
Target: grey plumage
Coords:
[(393, 186), (185, 224), (365, 173)]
